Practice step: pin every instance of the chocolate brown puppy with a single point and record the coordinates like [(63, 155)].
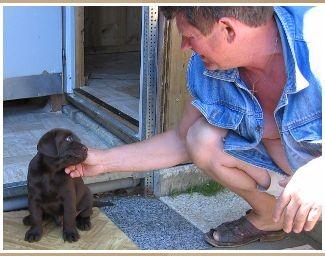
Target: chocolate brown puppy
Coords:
[(53, 193)]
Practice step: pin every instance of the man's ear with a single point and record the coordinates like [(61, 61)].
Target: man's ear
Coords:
[(47, 145), (228, 27)]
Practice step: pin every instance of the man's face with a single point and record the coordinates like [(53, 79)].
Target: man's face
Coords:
[(212, 48)]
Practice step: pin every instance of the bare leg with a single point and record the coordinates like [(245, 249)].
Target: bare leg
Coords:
[(205, 146)]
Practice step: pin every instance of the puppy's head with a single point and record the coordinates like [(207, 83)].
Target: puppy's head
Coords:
[(62, 147)]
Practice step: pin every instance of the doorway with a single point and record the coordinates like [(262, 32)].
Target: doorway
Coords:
[(112, 59)]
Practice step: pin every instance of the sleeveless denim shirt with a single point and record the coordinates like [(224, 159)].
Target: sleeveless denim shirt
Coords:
[(225, 100)]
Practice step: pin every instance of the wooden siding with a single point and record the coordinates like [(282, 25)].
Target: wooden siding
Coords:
[(173, 77)]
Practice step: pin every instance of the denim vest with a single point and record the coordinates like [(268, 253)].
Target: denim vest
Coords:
[(225, 100)]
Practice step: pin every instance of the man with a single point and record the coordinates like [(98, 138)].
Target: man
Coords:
[(253, 121)]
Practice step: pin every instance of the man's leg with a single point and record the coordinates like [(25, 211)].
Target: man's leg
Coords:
[(205, 146)]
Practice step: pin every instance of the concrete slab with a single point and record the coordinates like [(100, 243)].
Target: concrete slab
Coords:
[(206, 212), (178, 178)]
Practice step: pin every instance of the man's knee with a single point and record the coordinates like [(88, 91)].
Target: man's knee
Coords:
[(204, 141), (204, 144)]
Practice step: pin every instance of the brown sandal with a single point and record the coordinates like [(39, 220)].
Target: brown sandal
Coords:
[(240, 232)]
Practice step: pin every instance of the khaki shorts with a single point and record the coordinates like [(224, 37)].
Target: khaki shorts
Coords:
[(274, 189)]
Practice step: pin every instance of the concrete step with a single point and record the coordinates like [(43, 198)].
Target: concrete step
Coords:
[(110, 121), (177, 179)]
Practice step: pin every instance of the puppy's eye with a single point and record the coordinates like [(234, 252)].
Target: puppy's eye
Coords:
[(69, 139)]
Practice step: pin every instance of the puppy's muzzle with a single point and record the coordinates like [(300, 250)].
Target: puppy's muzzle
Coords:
[(84, 149)]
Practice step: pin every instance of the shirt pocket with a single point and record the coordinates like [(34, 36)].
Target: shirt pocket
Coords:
[(223, 116), (308, 136)]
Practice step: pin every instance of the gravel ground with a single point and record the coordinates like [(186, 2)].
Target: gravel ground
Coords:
[(206, 212)]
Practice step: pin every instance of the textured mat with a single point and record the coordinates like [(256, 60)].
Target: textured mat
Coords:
[(104, 235), (152, 225)]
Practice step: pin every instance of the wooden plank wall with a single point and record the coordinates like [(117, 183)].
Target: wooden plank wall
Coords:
[(173, 77), (112, 29)]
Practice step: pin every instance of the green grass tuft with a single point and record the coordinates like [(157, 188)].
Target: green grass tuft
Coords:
[(175, 193), (208, 189)]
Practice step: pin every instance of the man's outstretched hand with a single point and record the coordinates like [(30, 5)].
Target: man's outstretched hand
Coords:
[(302, 199), (90, 167)]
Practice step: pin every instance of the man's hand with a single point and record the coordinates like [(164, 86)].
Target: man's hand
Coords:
[(302, 199), (90, 167)]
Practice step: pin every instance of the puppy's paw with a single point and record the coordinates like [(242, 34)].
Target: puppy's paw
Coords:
[(26, 220), (83, 223), (33, 235), (71, 235)]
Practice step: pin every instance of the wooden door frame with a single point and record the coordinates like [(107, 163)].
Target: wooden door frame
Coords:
[(80, 50), (172, 67)]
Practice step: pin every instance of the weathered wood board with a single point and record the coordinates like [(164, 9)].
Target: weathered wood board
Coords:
[(104, 235)]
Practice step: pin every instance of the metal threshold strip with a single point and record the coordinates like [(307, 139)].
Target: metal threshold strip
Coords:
[(110, 121), (108, 107)]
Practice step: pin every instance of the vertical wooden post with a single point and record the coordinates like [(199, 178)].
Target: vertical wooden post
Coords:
[(173, 77), (80, 61)]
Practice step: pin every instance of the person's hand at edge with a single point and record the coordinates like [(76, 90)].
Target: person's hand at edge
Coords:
[(302, 199)]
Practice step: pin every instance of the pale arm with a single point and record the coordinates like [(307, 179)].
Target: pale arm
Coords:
[(161, 151)]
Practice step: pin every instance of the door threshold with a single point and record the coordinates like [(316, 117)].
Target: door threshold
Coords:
[(112, 121), (105, 105)]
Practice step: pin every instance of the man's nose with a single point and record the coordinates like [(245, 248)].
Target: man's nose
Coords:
[(185, 44)]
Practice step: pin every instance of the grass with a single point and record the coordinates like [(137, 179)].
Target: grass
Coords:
[(208, 189)]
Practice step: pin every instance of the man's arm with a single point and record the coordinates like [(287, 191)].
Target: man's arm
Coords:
[(160, 151)]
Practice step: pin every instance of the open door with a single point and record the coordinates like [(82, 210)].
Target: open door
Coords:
[(108, 64), (116, 58)]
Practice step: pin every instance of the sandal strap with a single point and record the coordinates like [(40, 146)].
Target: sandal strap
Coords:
[(237, 231)]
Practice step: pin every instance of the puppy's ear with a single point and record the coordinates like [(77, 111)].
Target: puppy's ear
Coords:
[(47, 145)]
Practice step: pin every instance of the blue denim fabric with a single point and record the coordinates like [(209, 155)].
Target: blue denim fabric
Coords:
[(225, 101)]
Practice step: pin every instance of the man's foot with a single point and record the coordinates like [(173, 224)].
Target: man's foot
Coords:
[(240, 232), (263, 222)]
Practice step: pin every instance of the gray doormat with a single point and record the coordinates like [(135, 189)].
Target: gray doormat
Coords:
[(152, 225)]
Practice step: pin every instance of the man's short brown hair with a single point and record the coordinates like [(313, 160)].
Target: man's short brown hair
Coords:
[(203, 18)]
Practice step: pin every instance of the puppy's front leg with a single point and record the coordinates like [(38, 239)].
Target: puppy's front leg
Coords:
[(35, 231), (70, 232)]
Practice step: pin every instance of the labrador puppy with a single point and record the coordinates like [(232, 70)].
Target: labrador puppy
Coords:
[(53, 193)]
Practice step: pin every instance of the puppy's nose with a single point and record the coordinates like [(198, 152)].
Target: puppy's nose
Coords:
[(85, 149)]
